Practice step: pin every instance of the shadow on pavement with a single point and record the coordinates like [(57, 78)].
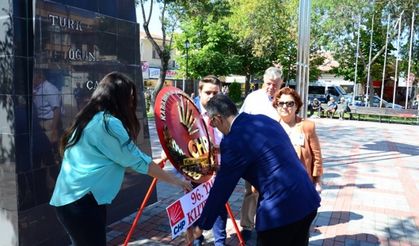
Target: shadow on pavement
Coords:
[(360, 158), (402, 148), (330, 218), (403, 229), (331, 175), (355, 239), (361, 186)]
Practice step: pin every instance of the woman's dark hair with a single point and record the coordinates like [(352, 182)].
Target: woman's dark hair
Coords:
[(116, 95), (291, 92)]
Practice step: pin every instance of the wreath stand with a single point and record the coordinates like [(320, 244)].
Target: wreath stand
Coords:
[(147, 197)]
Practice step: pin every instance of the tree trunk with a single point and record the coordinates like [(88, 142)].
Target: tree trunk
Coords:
[(160, 81), (371, 93), (247, 85)]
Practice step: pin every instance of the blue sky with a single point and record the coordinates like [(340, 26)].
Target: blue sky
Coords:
[(155, 24)]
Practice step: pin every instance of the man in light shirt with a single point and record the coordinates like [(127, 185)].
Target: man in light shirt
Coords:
[(47, 100), (258, 102), (210, 86)]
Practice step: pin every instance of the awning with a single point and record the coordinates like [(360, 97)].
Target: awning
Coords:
[(235, 78)]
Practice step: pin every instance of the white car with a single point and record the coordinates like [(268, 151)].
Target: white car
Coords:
[(376, 103)]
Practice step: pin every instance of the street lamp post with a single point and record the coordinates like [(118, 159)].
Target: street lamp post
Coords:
[(187, 44)]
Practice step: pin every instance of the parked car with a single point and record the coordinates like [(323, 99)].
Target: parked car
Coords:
[(360, 102), (323, 91)]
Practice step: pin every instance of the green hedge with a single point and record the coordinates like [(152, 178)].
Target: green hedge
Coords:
[(234, 92)]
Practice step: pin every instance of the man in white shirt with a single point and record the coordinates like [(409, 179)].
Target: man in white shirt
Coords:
[(210, 86), (258, 102), (47, 100)]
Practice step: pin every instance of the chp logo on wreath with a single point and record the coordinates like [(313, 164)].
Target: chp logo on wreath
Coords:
[(183, 134), (175, 213), (177, 218)]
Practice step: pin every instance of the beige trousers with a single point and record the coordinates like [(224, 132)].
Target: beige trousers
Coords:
[(248, 210), (48, 128)]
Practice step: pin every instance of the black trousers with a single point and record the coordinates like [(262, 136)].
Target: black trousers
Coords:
[(85, 221), (295, 234)]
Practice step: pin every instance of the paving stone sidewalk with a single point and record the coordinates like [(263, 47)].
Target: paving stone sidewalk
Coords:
[(370, 190)]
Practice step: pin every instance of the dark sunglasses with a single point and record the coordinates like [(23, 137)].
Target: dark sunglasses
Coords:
[(289, 104)]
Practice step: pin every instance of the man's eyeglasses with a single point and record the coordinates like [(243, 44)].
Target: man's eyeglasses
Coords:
[(211, 120), (288, 103)]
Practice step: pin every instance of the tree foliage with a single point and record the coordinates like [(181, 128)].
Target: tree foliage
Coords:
[(339, 22), (245, 37), (269, 27), (234, 92), (255, 49), (211, 41), (242, 37), (169, 15)]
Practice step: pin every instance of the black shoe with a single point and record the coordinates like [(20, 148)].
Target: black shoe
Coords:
[(246, 234), (199, 241)]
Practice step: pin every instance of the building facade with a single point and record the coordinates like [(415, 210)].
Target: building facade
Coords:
[(151, 65)]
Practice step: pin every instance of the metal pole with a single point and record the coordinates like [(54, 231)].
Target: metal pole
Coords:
[(303, 52), (356, 56), (307, 53), (236, 228), (410, 60), (369, 58), (385, 63), (302, 82), (396, 76), (143, 205), (186, 45), (299, 49), (187, 48)]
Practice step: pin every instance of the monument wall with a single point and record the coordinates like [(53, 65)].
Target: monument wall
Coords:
[(72, 44)]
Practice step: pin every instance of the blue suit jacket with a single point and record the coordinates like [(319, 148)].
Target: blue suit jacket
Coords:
[(258, 150)]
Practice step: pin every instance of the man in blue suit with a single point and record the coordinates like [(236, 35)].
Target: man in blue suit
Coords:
[(257, 149)]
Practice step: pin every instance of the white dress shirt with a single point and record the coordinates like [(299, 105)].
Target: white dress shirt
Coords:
[(259, 102), (46, 98)]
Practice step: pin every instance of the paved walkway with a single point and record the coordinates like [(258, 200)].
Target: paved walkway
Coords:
[(370, 190)]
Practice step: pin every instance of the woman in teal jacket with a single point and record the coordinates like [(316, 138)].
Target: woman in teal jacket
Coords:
[(96, 149)]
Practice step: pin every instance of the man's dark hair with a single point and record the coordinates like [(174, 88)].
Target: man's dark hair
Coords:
[(40, 73), (211, 79), (221, 105)]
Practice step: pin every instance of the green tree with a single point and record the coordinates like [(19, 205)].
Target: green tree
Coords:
[(212, 44), (252, 35), (169, 15), (234, 92), (253, 62), (244, 39), (339, 22), (269, 29)]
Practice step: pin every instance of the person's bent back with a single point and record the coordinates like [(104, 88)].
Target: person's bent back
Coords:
[(257, 149), (266, 158)]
